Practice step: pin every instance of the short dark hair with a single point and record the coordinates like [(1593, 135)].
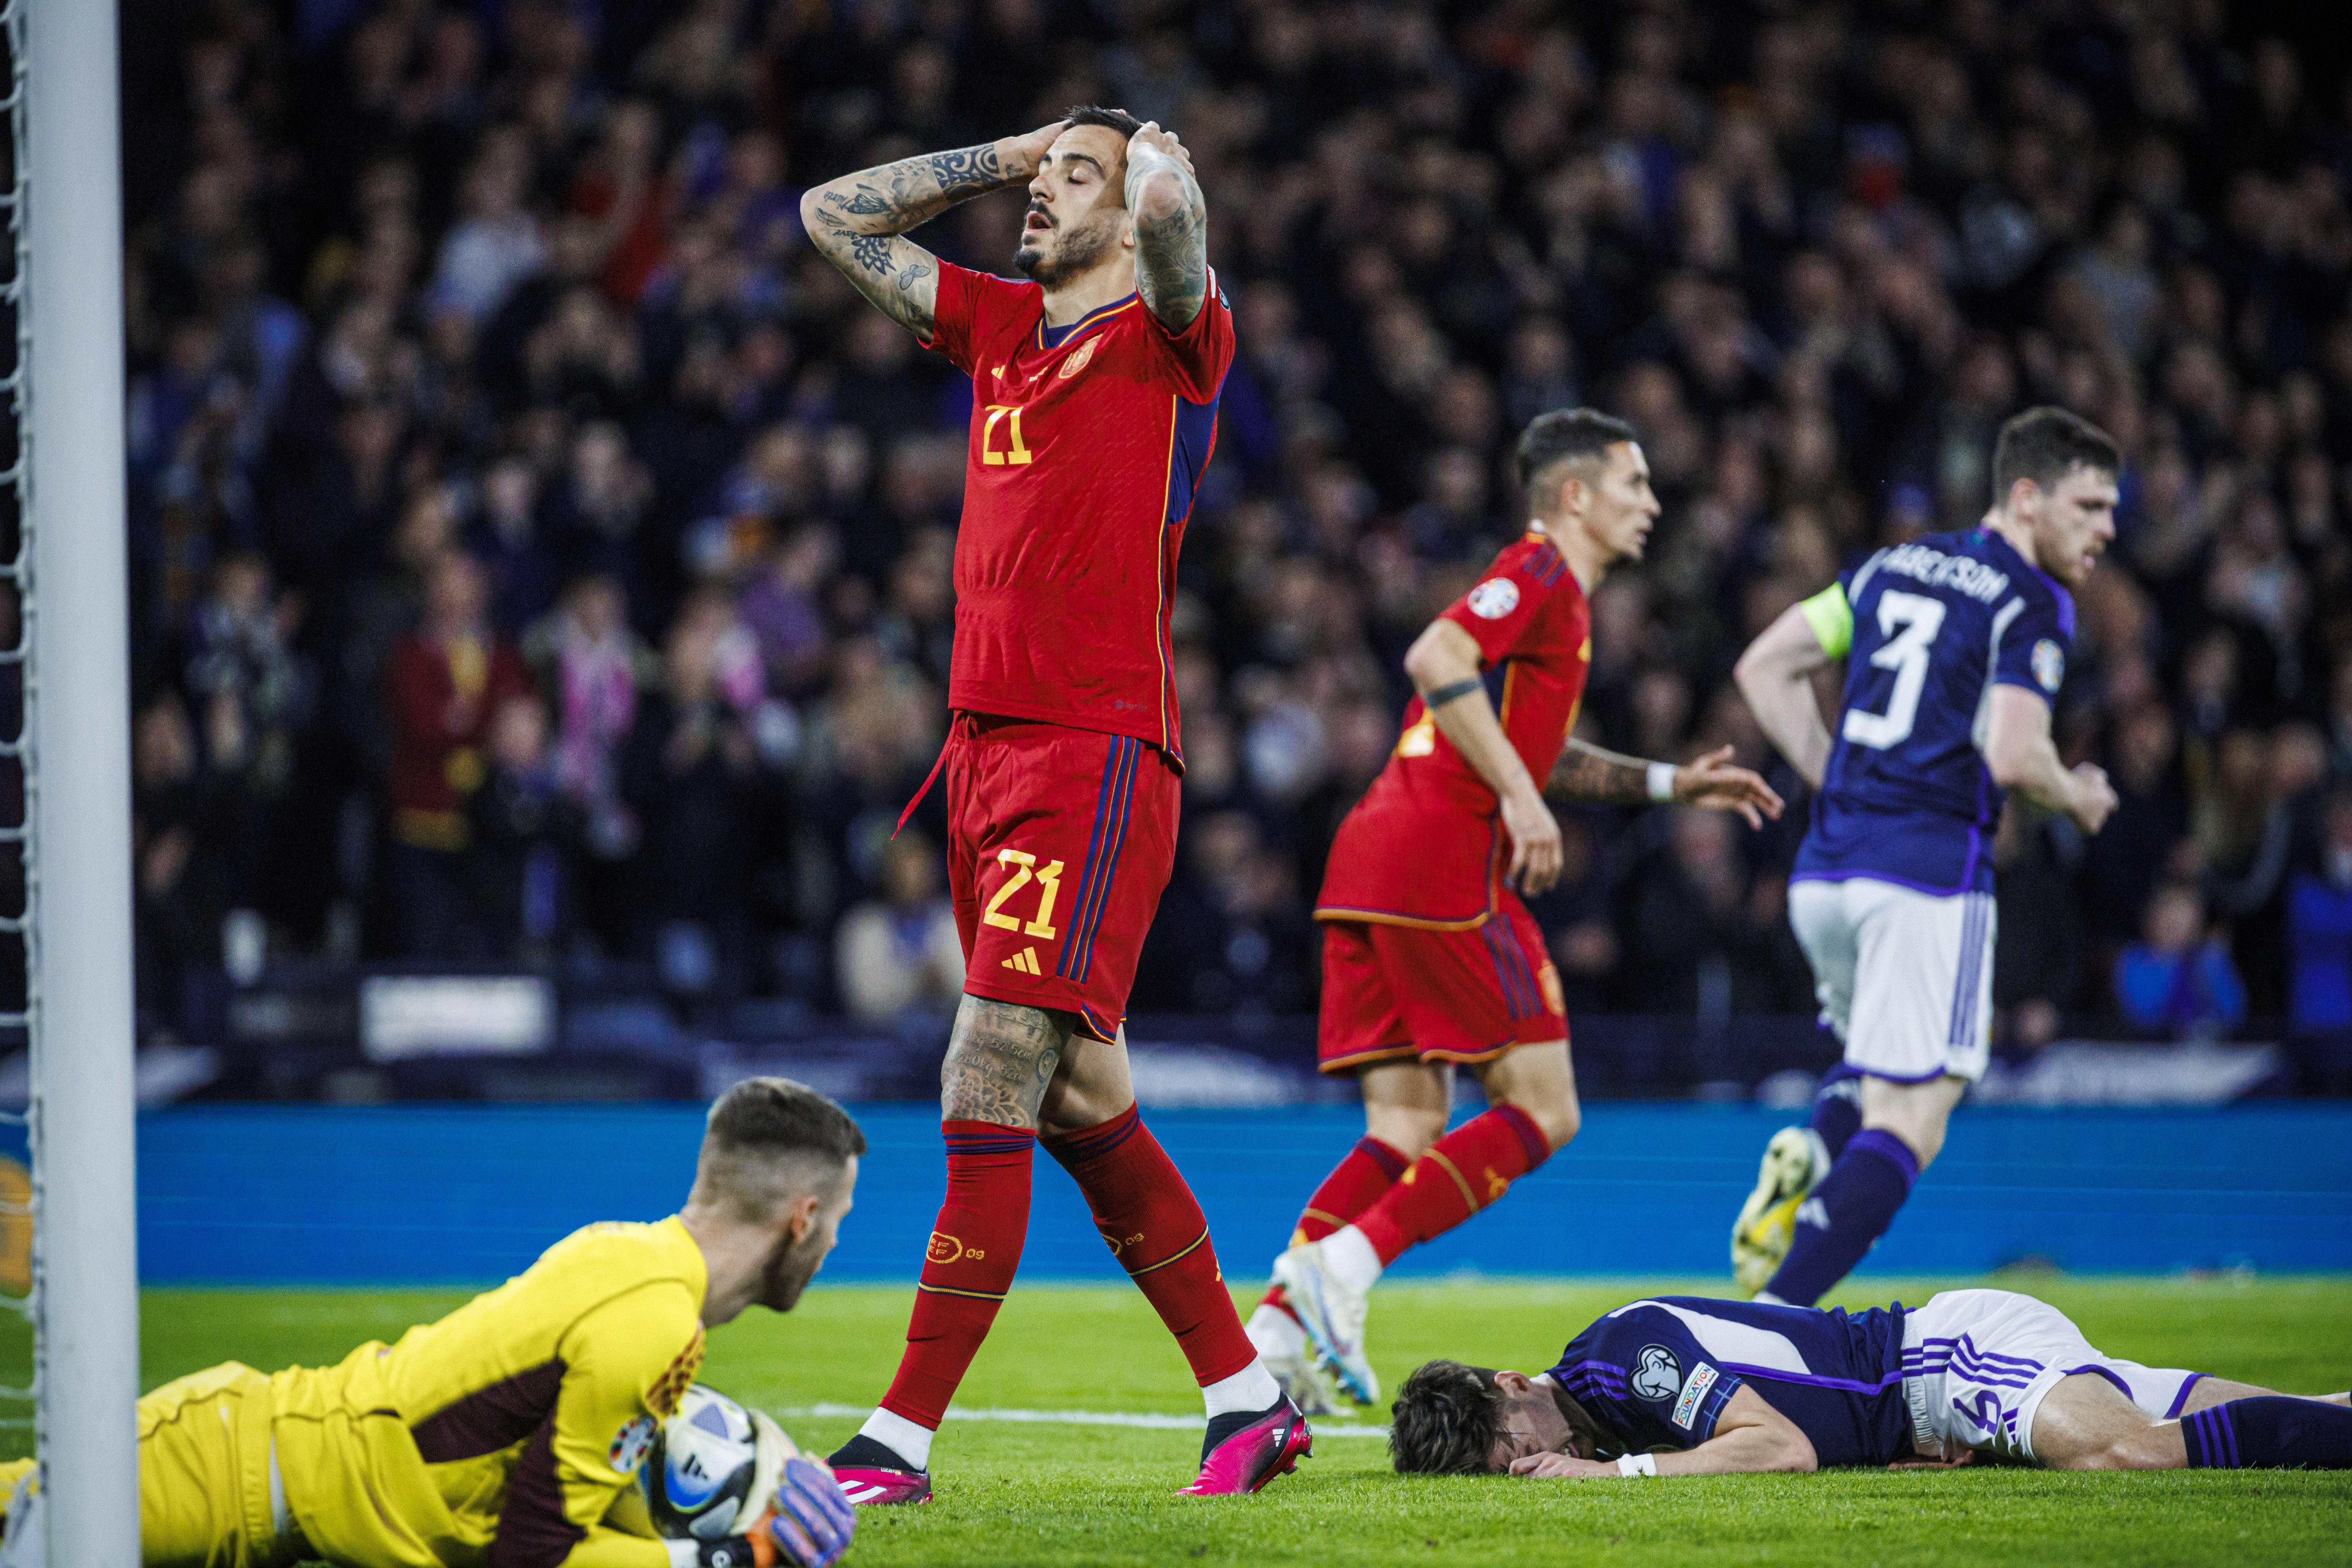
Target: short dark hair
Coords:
[(768, 1140), (1567, 435), (1446, 1420), (2045, 445), (1118, 120)]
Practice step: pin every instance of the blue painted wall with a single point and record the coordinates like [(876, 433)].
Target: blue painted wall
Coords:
[(331, 1195)]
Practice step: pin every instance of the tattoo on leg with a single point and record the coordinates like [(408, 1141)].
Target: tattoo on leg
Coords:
[(998, 1061)]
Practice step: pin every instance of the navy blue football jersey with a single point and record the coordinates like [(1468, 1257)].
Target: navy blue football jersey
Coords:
[(1658, 1373), (1934, 626)]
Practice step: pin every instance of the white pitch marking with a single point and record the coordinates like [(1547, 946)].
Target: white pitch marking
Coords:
[(1150, 1419)]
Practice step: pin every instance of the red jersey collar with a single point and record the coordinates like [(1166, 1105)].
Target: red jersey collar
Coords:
[(1075, 328)]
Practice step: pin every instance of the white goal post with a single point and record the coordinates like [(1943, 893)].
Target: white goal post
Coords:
[(70, 572)]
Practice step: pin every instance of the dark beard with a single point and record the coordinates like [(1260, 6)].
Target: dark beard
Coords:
[(1081, 247), (790, 1269)]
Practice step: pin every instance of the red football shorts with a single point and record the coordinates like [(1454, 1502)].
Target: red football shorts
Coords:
[(1394, 993), (1059, 844)]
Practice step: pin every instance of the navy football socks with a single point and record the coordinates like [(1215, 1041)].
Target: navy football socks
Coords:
[(1837, 1108), (2272, 1432), (1846, 1214)]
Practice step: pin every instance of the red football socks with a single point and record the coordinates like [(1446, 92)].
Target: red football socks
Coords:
[(1154, 1227), (1464, 1171), (1354, 1184), (975, 1248)]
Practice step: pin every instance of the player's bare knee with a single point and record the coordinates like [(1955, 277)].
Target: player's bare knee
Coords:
[(1559, 1120), (1409, 1130), (1924, 1138), (2138, 1450)]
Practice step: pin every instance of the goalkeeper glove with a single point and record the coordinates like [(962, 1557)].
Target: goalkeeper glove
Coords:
[(810, 1523)]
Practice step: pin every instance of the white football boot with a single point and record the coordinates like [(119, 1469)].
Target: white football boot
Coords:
[(1283, 1345), (1332, 1313)]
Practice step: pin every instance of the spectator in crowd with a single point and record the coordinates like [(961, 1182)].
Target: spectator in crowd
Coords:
[(175, 850), (900, 954), (2178, 979), (526, 279), (2319, 954), (2037, 941), (692, 772), (520, 825), (593, 666), (446, 681)]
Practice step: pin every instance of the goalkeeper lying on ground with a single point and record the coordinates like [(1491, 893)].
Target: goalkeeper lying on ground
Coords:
[(501, 1434), (1684, 1386)]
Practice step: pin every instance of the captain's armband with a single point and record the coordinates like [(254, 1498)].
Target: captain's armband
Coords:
[(1831, 619)]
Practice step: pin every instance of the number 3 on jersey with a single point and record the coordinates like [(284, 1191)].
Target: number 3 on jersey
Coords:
[(1907, 624)]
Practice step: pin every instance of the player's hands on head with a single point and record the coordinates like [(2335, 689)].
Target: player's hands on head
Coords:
[(2094, 797), (1717, 783), (1560, 1466), (1022, 154), (1534, 843), (811, 1522), (1158, 141)]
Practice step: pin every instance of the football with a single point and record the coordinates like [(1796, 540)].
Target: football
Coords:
[(712, 1468)]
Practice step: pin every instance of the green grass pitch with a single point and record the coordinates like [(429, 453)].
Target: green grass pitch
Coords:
[(1015, 1492)]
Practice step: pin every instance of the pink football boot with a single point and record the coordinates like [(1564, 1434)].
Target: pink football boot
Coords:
[(1244, 1458)]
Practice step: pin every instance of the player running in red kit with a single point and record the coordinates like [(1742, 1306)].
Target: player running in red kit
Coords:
[(1429, 957), (1095, 390)]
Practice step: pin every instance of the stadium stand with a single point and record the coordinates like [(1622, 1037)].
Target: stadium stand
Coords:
[(542, 559)]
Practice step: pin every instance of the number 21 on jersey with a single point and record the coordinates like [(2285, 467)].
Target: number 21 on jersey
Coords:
[(1907, 624)]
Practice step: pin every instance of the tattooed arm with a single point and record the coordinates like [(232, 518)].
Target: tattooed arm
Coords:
[(1171, 227), (1591, 776), (857, 220), (1588, 774)]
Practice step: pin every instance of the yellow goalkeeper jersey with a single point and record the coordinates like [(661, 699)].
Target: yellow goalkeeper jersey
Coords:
[(500, 1435)]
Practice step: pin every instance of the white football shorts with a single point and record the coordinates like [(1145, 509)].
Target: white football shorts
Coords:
[(1978, 1363), (1905, 978)]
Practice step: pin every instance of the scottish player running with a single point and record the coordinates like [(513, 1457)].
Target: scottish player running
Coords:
[(1681, 1386), (1955, 645)]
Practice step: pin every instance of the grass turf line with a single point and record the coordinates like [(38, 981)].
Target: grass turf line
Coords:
[(1069, 1494)]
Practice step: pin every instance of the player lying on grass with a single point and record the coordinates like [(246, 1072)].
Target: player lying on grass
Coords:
[(1682, 1385), (503, 1434), (1430, 959)]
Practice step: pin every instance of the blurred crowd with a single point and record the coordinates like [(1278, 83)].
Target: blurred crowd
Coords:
[(541, 555)]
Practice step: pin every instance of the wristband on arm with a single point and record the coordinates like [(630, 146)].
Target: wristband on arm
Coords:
[(1638, 1465), (1445, 694), (1660, 782)]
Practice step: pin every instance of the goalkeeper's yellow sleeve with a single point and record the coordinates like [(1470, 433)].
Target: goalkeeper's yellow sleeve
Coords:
[(502, 1433), (622, 1374)]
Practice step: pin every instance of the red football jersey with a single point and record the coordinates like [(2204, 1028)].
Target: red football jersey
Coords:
[(1087, 446), (1425, 845)]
